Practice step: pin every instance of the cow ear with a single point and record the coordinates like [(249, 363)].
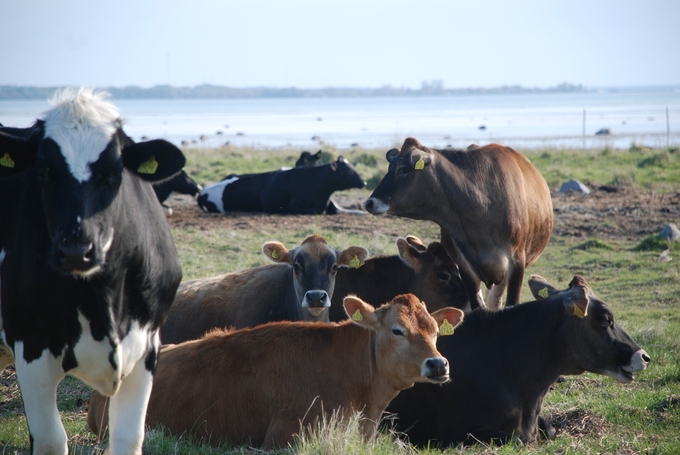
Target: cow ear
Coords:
[(392, 154), (360, 312), (353, 257), (416, 243), (576, 301), (19, 148), (409, 255), (421, 158), (540, 287), (276, 251), (447, 319), (154, 160)]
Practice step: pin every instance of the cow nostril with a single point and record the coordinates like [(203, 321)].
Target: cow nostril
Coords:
[(89, 254), (368, 204), (646, 358)]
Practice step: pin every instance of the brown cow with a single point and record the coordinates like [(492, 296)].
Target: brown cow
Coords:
[(492, 205), (428, 272), (258, 386), (298, 288)]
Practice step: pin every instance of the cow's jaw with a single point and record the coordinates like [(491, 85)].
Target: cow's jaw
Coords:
[(638, 362)]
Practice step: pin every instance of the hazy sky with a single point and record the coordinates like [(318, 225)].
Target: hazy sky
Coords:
[(348, 43)]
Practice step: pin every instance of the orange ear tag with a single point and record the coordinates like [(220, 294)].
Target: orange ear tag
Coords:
[(579, 313), (275, 255), (420, 164), (149, 166), (543, 293), (357, 316), (445, 329), (355, 263), (7, 161)]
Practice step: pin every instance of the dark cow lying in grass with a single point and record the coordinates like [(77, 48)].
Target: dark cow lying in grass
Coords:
[(301, 190), (492, 205), (298, 288), (242, 193), (87, 263), (511, 358), (428, 272), (182, 183), (259, 386)]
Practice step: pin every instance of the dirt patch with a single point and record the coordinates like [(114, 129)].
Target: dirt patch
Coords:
[(578, 423), (607, 213)]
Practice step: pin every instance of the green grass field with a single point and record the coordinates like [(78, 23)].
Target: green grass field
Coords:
[(593, 414)]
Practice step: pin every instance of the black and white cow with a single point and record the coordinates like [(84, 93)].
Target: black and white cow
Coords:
[(182, 183), (87, 263), (242, 193)]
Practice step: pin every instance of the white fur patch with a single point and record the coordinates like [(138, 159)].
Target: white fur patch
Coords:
[(214, 192), (82, 123)]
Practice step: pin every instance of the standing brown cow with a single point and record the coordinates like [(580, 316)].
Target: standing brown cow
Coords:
[(492, 204)]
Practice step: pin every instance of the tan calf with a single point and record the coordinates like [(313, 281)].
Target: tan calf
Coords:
[(256, 386)]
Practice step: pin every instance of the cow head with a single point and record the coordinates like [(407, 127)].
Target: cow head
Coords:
[(596, 342), (345, 176), (183, 183), (401, 191), (437, 279), (80, 159), (308, 160), (315, 265), (406, 338)]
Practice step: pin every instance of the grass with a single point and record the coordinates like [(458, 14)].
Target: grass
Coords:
[(593, 414)]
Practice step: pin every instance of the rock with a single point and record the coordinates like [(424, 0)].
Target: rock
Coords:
[(664, 256), (574, 185), (603, 132), (670, 233)]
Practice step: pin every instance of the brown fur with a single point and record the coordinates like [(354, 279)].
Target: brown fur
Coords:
[(255, 386), (493, 207)]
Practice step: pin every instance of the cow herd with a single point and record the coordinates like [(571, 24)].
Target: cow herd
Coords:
[(90, 286)]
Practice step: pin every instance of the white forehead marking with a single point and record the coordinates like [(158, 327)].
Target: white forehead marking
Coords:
[(82, 123)]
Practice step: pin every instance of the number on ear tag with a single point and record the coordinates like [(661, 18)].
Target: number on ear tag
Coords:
[(420, 164), (355, 263), (149, 166), (6, 161), (357, 316), (445, 329), (543, 293)]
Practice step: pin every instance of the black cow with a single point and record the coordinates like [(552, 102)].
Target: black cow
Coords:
[(307, 190), (509, 359), (428, 272), (87, 263), (182, 183), (242, 193)]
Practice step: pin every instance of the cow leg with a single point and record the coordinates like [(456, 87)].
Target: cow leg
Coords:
[(127, 411), (515, 282), (38, 381), (494, 298)]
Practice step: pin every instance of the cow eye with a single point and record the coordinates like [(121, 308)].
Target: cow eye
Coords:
[(398, 331), (334, 268), (403, 170), (112, 179), (606, 321), (443, 276), (297, 267)]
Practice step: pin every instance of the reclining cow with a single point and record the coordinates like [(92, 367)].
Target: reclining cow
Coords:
[(298, 288), (492, 205), (242, 193), (87, 263), (182, 183), (512, 357), (260, 386), (428, 272)]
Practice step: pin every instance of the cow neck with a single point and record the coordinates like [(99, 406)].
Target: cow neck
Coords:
[(378, 281), (527, 333), (356, 355), (328, 182)]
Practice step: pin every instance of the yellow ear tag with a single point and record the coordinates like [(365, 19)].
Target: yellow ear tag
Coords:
[(149, 166), (275, 255), (543, 293), (579, 313), (357, 316), (445, 329), (420, 164), (355, 263), (6, 161)]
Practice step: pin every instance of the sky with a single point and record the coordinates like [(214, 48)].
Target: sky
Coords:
[(347, 43)]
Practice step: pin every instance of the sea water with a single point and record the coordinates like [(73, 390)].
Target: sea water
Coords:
[(644, 117)]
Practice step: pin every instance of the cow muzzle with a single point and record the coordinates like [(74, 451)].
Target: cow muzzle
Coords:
[(316, 301), (376, 206), (436, 370), (76, 257)]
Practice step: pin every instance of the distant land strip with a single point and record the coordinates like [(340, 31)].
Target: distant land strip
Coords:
[(434, 88)]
